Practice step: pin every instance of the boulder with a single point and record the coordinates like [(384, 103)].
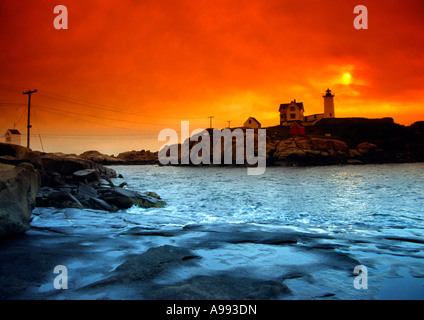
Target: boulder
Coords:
[(57, 199), (88, 176), (63, 164), (152, 194), (86, 192), (14, 154), (124, 199), (61, 168), (99, 204), (18, 189), (365, 147)]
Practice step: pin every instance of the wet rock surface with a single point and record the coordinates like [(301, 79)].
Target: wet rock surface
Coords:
[(195, 262)]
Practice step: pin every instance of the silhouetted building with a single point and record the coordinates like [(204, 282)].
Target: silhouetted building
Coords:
[(13, 136), (252, 123), (293, 111)]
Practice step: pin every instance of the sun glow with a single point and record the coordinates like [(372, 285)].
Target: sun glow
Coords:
[(347, 78)]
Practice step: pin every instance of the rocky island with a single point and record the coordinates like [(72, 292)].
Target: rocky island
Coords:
[(333, 141)]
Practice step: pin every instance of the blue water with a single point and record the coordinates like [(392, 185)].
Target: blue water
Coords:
[(371, 215), (385, 199)]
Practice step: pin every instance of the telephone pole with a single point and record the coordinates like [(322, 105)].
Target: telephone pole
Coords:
[(29, 92), (229, 124), (211, 121)]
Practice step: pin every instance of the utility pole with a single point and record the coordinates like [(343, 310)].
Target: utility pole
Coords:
[(29, 92), (229, 124), (211, 121)]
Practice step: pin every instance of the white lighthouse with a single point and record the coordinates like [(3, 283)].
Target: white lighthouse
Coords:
[(328, 104)]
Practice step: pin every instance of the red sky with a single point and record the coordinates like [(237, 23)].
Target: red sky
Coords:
[(124, 70)]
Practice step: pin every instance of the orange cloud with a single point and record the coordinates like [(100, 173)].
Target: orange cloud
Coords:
[(127, 69)]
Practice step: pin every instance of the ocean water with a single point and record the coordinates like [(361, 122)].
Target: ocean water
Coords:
[(341, 217), (362, 200)]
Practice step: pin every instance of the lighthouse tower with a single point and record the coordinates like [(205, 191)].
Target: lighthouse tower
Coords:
[(328, 104)]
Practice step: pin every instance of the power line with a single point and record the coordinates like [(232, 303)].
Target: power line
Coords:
[(102, 106), (38, 129), (93, 116), (57, 111), (90, 121), (13, 104)]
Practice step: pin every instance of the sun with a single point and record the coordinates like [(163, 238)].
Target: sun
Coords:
[(347, 78)]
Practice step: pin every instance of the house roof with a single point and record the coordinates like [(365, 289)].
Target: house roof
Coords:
[(14, 131), (254, 119), (296, 124)]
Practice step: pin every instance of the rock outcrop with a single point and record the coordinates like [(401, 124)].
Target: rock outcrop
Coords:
[(138, 157), (308, 150), (30, 178), (302, 150), (101, 158), (18, 189)]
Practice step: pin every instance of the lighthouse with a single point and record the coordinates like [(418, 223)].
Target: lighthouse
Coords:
[(328, 104)]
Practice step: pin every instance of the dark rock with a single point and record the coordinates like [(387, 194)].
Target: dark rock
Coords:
[(152, 194), (12, 160), (140, 231), (15, 154), (18, 189), (106, 183), (63, 164), (213, 239), (88, 196), (61, 168), (58, 199), (105, 172), (88, 176), (86, 192), (99, 204), (220, 287), (146, 265), (124, 199)]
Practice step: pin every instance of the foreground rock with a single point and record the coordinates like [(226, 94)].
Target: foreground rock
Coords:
[(146, 266), (220, 287), (82, 196), (61, 168), (124, 199), (66, 181), (18, 189)]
